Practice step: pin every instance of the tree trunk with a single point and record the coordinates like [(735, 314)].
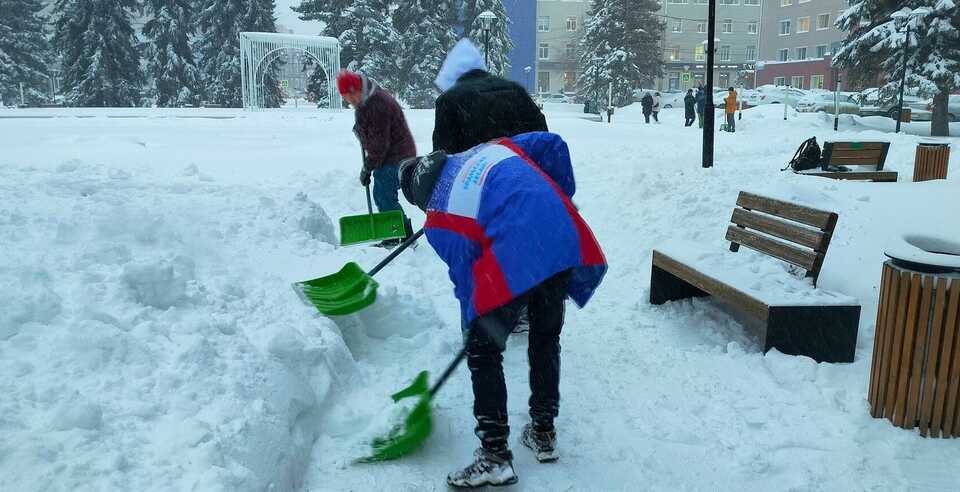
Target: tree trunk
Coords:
[(940, 124)]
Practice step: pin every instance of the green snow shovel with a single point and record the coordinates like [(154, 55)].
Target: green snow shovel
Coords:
[(417, 426), (349, 290), (357, 229)]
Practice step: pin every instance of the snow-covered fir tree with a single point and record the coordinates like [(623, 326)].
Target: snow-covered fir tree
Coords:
[(221, 22), (500, 41), (169, 56), (425, 37), (620, 46), (317, 83), (101, 62), (24, 52), (877, 37)]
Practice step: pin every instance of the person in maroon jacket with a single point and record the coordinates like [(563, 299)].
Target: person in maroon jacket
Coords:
[(384, 137)]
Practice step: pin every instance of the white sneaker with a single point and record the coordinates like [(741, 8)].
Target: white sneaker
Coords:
[(488, 469)]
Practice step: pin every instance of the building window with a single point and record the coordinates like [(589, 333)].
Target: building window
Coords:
[(834, 47), (571, 24), (751, 53), (702, 27), (803, 24), (677, 25), (797, 81), (816, 81), (784, 54), (675, 53), (786, 3), (729, 2), (724, 53), (701, 2), (571, 51), (780, 81), (727, 26), (821, 51), (751, 3), (677, 1), (698, 54), (752, 27), (803, 1), (543, 24), (544, 51), (784, 28), (543, 82), (674, 81), (823, 21), (569, 81), (802, 53)]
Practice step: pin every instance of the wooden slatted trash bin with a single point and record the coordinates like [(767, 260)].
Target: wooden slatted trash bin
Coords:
[(915, 372), (931, 161)]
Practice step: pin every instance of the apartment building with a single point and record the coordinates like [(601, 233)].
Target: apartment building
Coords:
[(559, 29), (797, 39), (684, 43)]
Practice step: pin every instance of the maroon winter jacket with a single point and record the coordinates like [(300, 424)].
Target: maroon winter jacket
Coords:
[(381, 127)]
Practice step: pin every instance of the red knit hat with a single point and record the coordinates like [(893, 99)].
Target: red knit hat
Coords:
[(348, 81)]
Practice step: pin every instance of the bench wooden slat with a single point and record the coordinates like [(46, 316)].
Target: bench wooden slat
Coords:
[(743, 301), (835, 146), (880, 176), (801, 258), (816, 240), (854, 161), (863, 154), (805, 215)]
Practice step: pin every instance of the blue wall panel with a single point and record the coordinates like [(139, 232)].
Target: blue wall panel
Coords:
[(523, 30)]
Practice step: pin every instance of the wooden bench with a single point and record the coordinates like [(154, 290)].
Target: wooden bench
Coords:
[(798, 320), (859, 154)]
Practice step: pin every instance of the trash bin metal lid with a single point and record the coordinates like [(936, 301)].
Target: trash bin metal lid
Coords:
[(926, 252)]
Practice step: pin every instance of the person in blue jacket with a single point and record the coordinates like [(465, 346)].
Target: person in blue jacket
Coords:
[(500, 216)]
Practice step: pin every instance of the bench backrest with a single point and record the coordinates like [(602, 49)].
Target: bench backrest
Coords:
[(855, 154), (793, 233)]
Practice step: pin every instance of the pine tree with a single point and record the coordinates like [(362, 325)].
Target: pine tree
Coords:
[(24, 51), (933, 64), (170, 60), (101, 63), (500, 41), (317, 83), (221, 22), (620, 46), (425, 37)]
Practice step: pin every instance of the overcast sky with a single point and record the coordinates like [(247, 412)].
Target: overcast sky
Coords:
[(289, 18)]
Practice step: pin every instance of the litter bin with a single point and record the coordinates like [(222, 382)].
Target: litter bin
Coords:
[(931, 161), (915, 372)]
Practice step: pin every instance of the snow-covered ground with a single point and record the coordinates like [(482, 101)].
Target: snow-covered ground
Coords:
[(149, 338)]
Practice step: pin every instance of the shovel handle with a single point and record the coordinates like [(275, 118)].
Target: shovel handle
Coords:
[(448, 371), (373, 228), (393, 254)]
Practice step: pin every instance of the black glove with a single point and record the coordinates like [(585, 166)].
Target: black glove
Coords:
[(365, 176)]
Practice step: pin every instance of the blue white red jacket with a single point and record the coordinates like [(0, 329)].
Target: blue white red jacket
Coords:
[(502, 218)]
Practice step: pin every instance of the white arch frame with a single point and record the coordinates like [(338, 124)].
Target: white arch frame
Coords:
[(257, 47)]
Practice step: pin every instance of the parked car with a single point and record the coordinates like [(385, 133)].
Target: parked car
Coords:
[(824, 101), (555, 98), (874, 103), (770, 94), (923, 110), (672, 99)]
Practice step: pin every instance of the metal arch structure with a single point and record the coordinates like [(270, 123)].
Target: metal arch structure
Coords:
[(259, 49)]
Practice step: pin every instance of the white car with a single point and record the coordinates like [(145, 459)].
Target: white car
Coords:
[(780, 95), (555, 98), (923, 110), (672, 99)]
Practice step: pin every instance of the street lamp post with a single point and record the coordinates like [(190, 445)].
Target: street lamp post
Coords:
[(486, 21), (903, 79), (527, 69), (708, 107)]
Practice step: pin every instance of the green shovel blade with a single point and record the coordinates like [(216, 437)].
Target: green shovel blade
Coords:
[(357, 229), (341, 293), (415, 429)]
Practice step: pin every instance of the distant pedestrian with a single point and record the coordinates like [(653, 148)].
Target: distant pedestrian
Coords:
[(689, 108), (730, 107), (656, 106), (701, 104), (646, 103)]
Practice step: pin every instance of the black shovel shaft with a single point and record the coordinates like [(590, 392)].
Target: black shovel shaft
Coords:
[(393, 254), (448, 371)]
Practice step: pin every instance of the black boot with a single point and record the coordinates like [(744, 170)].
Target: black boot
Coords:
[(541, 441)]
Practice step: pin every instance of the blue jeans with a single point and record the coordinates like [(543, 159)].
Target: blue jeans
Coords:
[(386, 182)]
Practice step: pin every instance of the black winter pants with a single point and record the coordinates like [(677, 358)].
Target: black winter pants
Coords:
[(689, 120), (486, 341)]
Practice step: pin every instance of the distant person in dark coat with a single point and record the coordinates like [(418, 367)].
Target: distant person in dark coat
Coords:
[(477, 106), (701, 104), (646, 103), (689, 108)]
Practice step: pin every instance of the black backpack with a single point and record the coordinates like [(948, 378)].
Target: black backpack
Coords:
[(806, 157)]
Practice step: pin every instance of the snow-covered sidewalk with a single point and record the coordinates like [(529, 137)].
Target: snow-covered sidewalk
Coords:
[(149, 339)]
